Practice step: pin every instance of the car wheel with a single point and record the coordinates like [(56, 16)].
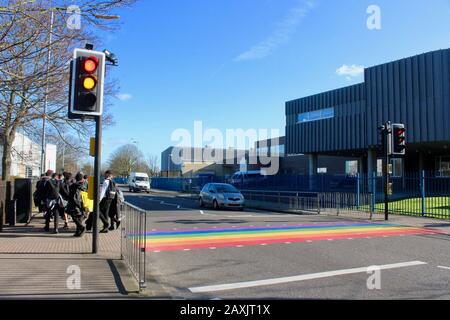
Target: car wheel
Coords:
[(201, 203), (215, 205)]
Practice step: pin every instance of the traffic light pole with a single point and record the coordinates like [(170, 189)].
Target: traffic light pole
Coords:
[(386, 177), (385, 138), (97, 168)]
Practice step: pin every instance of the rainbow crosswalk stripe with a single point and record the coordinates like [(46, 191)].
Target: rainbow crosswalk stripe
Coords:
[(170, 240)]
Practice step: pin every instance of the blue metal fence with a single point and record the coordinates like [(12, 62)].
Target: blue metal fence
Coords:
[(417, 193)]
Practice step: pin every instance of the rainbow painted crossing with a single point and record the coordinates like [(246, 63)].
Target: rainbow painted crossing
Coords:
[(170, 240)]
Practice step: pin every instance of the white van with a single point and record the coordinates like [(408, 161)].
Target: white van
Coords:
[(139, 182)]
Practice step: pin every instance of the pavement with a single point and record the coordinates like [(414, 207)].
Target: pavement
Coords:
[(38, 265), (195, 253)]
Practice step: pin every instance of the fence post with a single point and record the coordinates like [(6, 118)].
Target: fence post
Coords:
[(142, 253), (338, 203), (374, 190), (358, 191), (422, 191), (371, 207), (318, 203)]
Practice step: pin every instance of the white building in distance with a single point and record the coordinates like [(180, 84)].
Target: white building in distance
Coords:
[(26, 157)]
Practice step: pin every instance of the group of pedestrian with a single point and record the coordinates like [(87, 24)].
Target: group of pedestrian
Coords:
[(64, 195)]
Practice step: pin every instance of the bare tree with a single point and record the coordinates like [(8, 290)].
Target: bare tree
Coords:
[(125, 160), (70, 153), (87, 169), (153, 165), (29, 76)]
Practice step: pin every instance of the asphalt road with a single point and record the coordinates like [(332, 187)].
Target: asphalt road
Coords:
[(207, 254)]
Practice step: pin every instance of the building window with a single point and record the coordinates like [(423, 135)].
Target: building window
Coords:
[(316, 115), (351, 168), (277, 151), (322, 170), (28, 172), (443, 166), (380, 167), (397, 168)]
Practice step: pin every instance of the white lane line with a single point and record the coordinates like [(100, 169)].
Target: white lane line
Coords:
[(205, 214), (267, 282), (247, 216), (442, 267)]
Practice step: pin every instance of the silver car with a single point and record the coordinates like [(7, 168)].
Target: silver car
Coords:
[(220, 195)]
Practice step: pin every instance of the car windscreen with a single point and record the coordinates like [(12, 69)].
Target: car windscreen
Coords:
[(141, 179), (226, 189)]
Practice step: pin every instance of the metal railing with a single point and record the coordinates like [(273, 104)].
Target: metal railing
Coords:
[(311, 202), (133, 241)]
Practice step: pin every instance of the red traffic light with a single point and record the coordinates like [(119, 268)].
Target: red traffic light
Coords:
[(400, 131), (90, 64)]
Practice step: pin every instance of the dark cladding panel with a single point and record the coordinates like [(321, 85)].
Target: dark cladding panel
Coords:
[(414, 91), (328, 134)]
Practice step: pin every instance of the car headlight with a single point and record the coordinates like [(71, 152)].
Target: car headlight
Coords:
[(221, 197)]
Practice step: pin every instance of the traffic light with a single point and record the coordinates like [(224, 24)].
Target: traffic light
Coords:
[(87, 83), (398, 139)]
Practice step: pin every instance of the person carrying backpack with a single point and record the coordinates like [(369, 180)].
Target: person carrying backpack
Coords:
[(114, 209), (75, 206), (52, 201), (38, 196), (107, 195)]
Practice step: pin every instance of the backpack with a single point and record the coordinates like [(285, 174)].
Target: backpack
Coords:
[(112, 191), (39, 193)]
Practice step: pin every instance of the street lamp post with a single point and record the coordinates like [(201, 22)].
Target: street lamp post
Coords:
[(44, 116)]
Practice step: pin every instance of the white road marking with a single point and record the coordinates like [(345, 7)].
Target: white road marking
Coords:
[(442, 267), (268, 282), (186, 249)]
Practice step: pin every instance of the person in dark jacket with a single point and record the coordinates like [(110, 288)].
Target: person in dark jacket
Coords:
[(63, 190), (75, 205), (114, 212), (51, 191)]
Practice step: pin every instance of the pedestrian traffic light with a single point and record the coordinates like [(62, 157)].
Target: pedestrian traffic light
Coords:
[(87, 83), (398, 139)]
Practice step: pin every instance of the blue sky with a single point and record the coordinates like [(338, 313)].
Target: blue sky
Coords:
[(234, 63)]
